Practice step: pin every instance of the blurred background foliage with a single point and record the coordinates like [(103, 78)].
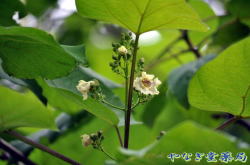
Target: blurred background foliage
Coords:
[(167, 55)]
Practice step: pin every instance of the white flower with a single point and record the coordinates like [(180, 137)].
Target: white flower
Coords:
[(86, 140), (122, 50), (147, 84), (85, 86)]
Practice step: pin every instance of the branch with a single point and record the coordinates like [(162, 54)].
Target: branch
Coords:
[(228, 122), (241, 122), (42, 147), (163, 52), (192, 48), (14, 152)]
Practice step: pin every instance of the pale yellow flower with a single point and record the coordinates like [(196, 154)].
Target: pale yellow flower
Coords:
[(86, 140), (84, 87), (147, 84), (122, 50)]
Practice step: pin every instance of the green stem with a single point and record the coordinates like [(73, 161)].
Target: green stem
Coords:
[(111, 105), (102, 149), (119, 136), (137, 103), (130, 93)]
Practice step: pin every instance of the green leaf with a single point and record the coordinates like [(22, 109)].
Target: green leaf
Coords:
[(173, 113), (194, 138), (178, 79), (239, 8), (141, 16), (207, 14), (31, 53), (56, 97), (23, 110), (65, 124), (69, 83), (221, 84), (231, 31), (8, 9), (78, 52)]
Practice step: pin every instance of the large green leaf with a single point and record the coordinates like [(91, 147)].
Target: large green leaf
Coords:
[(233, 31), (23, 110), (207, 14), (178, 79), (68, 85), (189, 137), (173, 113), (141, 16), (56, 97), (78, 52), (31, 53), (239, 8), (221, 84)]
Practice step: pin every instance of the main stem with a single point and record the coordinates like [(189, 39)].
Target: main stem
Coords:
[(130, 93), (42, 147)]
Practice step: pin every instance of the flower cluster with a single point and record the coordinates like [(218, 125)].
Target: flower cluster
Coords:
[(90, 88), (145, 84), (94, 139), (122, 54)]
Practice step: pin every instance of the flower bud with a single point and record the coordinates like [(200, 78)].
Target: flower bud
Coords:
[(111, 64), (93, 136), (114, 57), (99, 134), (162, 133), (141, 61), (122, 50)]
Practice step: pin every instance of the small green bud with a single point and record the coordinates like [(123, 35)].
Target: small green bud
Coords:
[(99, 134), (114, 57), (162, 133), (111, 64), (141, 61), (93, 137)]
